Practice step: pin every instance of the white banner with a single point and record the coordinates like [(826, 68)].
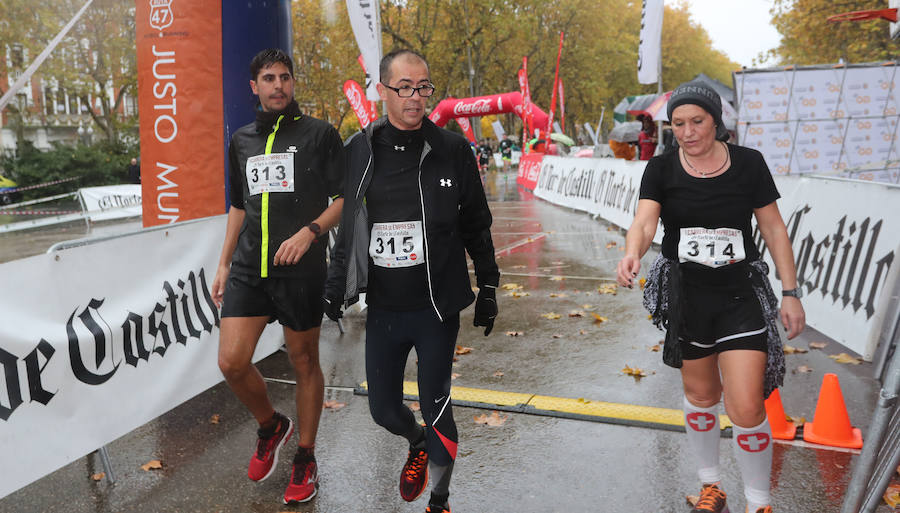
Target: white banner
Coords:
[(498, 130), (651, 41), (365, 19), (111, 201), (607, 188), (99, 339), (845, 235)]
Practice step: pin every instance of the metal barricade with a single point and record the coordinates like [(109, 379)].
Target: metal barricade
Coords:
[(881, 453)]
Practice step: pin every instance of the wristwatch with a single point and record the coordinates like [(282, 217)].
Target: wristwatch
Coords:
[(797, 293), (315, 228)]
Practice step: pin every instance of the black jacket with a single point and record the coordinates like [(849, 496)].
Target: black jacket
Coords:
[(455, 214), (274, 217)]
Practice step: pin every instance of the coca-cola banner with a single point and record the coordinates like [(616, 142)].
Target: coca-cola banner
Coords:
[(845, 235), (128, 332), (358, 102), (452, 108), (466, 127), (529, 169)]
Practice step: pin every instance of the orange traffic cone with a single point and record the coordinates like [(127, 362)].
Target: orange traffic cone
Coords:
[(781, 428), (831, 424)]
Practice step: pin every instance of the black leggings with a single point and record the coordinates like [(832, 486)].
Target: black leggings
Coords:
[(389, 338)]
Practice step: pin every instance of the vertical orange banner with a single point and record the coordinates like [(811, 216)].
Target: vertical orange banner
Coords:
[(179, 53)]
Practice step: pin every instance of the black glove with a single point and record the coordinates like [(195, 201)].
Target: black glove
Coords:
[(486, 309), (332, 309)]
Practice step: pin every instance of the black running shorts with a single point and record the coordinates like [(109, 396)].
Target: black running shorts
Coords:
[(721, 319), (295, 302)]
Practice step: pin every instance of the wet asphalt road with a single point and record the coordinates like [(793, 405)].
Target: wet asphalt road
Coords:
[(530, 463)]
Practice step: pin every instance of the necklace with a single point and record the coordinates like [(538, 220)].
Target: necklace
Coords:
[(706, 173)]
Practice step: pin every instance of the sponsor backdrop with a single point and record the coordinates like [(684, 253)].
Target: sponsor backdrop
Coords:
[(88, 350), (828, 121), (845, 234)]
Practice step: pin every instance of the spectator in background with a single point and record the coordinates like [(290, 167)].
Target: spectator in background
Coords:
[(134, 171), (647, 137)]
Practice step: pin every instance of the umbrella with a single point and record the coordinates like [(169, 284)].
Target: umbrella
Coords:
[(626, 132), (562, 138), (586, 152), (654, 108)]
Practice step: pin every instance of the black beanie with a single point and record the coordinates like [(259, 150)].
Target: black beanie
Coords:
[(704, 96)]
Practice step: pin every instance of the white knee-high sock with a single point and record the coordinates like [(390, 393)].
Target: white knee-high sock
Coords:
[(753, 451), (702, 427)]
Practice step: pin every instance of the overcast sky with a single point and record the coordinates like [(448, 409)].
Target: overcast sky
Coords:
[(740, 28)]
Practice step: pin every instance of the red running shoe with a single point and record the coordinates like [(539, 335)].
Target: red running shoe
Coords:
[(414, 476), (264, 460), (437, 509), (304, 481)]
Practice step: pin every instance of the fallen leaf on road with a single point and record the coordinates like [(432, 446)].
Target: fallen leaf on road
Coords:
[(514, 333), (692, 500), (611, 228), (511, 286), (415, 406), (455, 375), (794, 350), (610, 245), (498, 374), (587, 306), (582, 332), (635, 372), (655, 348), (556, 335), (493, 420), (557, 278), (892, 495), (551, 315), (463, 350), (799, 421), (559, 294), (803, 368), (98, 476), (576, 313), (152, 465), (642, 282), (598, 319), (333, 405), (516, 295), (214, 419), (817, 345), (608, 288), (845, 358)]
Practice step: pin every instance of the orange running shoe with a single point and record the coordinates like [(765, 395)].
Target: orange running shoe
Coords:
[(767, 509), (712, 500), (414, 476)]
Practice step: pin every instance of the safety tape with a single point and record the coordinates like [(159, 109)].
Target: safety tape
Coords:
[(38, 186), (37, 212)]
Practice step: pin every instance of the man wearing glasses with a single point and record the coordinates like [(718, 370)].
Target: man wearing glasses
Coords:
[(414, 205)]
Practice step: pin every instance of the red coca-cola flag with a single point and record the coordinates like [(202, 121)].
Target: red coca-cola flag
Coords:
[(357, 98), (466, 128)]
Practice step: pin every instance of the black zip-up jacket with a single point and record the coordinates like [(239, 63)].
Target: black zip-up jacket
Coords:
[(271, 218), (455, 215)]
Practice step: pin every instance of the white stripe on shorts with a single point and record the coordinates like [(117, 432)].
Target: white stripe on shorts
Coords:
[(729, 337)]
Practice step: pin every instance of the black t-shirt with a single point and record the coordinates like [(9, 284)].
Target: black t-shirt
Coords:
[(724, 202), (393, 197), (506, 147), (484, 152)]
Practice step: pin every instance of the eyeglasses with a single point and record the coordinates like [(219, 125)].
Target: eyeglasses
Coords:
[(407, 91)]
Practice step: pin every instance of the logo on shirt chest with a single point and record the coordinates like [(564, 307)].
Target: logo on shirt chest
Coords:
[(292, 149), (446, 182)]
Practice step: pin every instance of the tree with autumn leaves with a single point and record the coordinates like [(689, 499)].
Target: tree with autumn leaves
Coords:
[(97, 56), (808, 38)]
